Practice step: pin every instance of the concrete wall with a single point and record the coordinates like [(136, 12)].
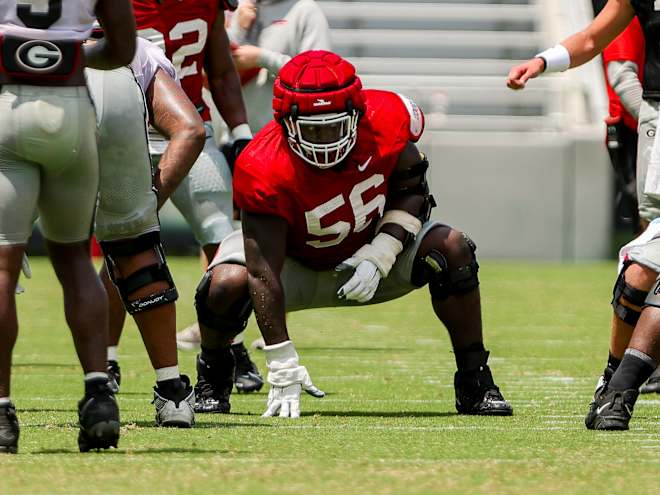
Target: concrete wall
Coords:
[(542, 196)]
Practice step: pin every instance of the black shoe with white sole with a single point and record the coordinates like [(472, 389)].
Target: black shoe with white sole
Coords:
[(98, 415), (215, 382), (9, 431), (246, 378), (175, 405), (476, 393), (611, 410)]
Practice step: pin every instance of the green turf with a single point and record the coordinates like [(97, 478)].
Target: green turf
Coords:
[(388, 424)]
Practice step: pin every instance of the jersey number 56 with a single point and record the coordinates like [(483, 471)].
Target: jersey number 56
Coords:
[(361, 211)]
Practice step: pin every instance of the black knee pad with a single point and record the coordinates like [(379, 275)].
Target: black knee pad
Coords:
[(624, 297), (230, 325), (444, 282), (157, 272)]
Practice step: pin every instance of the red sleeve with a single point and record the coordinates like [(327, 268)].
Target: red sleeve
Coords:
[(627, 45), (257, 190)]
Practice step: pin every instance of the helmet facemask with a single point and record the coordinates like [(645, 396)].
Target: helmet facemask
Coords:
[(322, 140)]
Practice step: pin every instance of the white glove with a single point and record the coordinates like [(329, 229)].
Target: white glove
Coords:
[(287, 380), (362, 286)]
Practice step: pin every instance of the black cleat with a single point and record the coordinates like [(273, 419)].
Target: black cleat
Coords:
[(611, 410), (652, 386), (114, 376), (247, 378), (9, 431), (214, 383), (99, 417), (476, 393)]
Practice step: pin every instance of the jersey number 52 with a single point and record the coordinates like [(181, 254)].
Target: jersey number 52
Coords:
[(361, 211)]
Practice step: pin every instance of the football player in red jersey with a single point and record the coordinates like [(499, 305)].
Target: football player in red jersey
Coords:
[(335, 213), (193, 35)]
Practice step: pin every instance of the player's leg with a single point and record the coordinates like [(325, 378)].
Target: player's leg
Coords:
[(10, 259), (223, 307), (19, 187), (116, 320), (139, 271), (127, 228), (446, 261), (67, 200), (204, 199), (635, 279), (613, 402)]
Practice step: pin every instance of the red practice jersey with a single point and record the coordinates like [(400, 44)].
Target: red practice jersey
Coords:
[(184, 27), (330, 213), (629, 45)]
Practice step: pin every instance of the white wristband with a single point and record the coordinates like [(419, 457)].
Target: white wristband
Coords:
[(241, 131), (382, 252), (403, 219), (557, 58)]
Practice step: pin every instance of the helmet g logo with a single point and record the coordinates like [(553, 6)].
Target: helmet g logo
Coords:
[(38, 56)]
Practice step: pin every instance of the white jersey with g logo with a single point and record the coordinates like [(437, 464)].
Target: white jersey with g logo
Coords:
[(48, 154), (48, 19)]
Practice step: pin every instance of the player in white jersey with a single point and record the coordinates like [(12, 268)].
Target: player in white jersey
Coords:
[(127, 223), (49, 165)]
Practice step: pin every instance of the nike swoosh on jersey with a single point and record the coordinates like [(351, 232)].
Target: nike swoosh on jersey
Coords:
[(364, 166)]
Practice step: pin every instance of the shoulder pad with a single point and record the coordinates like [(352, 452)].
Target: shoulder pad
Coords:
[(416, 118)]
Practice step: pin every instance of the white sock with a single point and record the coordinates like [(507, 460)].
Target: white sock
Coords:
[(5, 401), (168, 373), (239, 338), (112, 353), (95, 375)]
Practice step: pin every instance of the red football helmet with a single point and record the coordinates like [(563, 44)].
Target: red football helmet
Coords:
[(318, 97)]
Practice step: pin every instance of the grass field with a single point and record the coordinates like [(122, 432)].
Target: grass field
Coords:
[(388, 424)]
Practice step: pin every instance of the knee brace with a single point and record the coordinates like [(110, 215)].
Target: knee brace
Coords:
[(226, 324), (444, 282), (158, 272), (626, 299)]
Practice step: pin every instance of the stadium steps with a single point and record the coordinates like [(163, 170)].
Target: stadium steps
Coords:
[(452, 57)]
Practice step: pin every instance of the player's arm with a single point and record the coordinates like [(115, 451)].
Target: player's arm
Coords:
[(175, 117), (313, 34), (265, 250), (623, 76), (118, 45), (408, 206), (224, 83), (579, 48), (409, 202)]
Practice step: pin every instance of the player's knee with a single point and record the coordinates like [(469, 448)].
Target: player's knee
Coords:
[(447, 263), (228, 287), (222, 300), (640, 276), (148, 283), (631, 291)]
